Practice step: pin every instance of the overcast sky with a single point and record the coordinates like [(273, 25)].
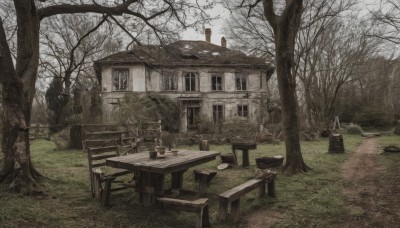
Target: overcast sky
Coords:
[(222, 13), (216, 26)]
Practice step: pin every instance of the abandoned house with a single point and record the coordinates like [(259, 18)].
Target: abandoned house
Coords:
[(206, 79)]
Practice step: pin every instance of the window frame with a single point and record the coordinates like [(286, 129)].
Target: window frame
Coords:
[(243, 80), (217, 75), (216, 118), (196, 82), (241, 112), (114, 75), (169, 75)]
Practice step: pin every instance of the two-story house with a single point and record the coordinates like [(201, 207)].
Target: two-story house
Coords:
[(205, 78)]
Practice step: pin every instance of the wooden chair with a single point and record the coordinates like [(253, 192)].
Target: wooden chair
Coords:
[(101, 176), (129, 145)]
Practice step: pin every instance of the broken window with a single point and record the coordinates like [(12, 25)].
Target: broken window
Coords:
[(216, 82), (170, 81), (120, 79), (243, 111), (218, 113), (190, 82), (241, 82)]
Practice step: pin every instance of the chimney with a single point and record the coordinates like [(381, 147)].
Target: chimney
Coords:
[(223, 42), (208, 34)]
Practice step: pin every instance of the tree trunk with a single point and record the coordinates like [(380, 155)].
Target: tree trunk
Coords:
[(285, 29), (18, 93)]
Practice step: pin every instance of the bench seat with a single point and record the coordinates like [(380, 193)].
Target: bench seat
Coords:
[(199, 206), (233, 196)]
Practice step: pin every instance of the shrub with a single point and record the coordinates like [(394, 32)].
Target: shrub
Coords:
[(205, 125), (372, 117), (141, 109), (61, 139), (354, 129)]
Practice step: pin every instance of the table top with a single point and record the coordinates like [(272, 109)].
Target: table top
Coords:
[(168, 163), (244, 145)]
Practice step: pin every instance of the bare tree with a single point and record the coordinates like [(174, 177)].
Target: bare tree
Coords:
[(19, 81), (70, 43), (285, 21), (386, 18), (251, 32), (334, 60)]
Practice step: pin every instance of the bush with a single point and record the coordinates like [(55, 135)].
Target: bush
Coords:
[(142, 109), (372, 117), (354, 129), (61, 139)]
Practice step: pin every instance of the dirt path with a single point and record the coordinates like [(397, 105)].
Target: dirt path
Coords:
[(367, 196)]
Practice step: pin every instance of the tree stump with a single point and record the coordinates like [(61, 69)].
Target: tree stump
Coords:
[(204, 145)]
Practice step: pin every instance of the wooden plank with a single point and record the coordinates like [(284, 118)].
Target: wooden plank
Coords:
[(102, 157), (185, 205), (102, 149), (236, 192), (105, 132)]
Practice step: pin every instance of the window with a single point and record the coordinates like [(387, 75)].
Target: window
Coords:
[(216, 82), (218, 113), (243, 111), (170, 81), (190, 81), (241, 83), (120, 79)]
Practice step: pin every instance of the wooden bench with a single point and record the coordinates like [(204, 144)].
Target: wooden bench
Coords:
[(203, 178), (199, 206), (233, 196)]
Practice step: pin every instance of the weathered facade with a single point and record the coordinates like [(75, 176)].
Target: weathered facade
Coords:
[(205, 78)]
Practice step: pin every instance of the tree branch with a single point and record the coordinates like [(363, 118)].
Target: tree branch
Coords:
[(84, 8), (269, 13)]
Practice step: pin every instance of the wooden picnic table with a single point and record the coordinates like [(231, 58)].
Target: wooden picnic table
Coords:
[(152, 171)]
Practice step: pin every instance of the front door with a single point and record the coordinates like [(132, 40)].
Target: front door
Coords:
[(192, 117)]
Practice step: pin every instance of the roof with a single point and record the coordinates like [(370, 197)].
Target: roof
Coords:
[(185, 53)]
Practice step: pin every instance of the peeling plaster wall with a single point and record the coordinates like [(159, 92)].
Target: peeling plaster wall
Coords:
[(147, 81)]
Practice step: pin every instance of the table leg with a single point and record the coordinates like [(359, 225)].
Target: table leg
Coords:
[(177, 179), (234, 154), (151, 185), (246, 162)]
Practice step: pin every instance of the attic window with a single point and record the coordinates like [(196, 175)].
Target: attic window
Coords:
[(189, 56)]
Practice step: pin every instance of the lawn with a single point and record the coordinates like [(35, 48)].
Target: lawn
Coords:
[(309, 199)]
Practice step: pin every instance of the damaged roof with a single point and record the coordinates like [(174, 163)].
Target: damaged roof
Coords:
[(184, 53)]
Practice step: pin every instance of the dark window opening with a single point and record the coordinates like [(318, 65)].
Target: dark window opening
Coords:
[(190, 82), (241, 83), (216, 82), (170, 81), (243, 110), (193, 114), (120, 79), (218, 113)]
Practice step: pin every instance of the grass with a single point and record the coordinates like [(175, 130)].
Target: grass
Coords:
[(309, 199), (390, 161)]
